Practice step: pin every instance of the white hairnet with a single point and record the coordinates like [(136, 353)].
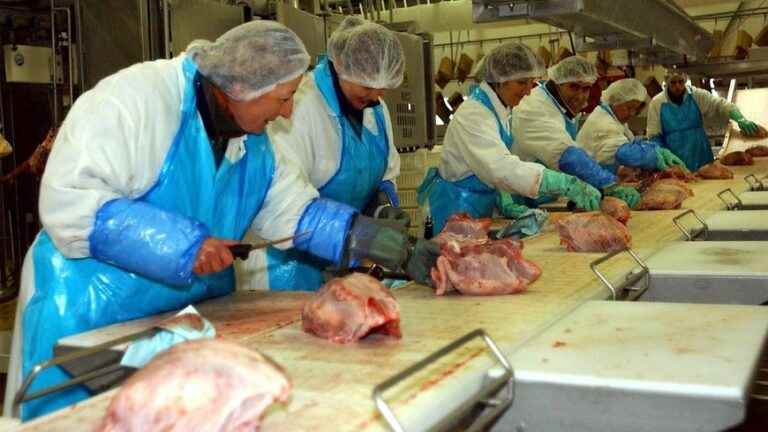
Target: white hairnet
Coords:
[(675, 73), (573, 69), (367, 54), (251, 59), (625, 90), (511, 61)]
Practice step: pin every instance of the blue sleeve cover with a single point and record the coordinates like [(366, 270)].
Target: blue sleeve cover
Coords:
[(576, 162), (638, 153), (389, 188), (143, 239), (327, 223)]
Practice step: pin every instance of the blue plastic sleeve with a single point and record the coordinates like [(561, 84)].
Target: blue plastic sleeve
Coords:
[(143, 239), (326, 223), (638, 153), (576, 162), (389, 188)]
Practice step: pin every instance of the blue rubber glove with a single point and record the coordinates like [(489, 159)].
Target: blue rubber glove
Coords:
[(625, 193), (556, 183), (665, 160), (747, 127), (638, 153), (576, 162)]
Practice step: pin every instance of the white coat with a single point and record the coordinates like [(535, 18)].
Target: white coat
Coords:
[(602, 135), (473, 146), (112, 145)]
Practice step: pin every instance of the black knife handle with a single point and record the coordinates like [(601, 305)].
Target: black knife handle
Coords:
[(241, 250)]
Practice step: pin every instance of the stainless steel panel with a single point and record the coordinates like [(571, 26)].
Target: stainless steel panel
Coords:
[(27, 64), (411, 106), (709, 272), (754, 200), (311, 29), (735, 226), (199, 19)]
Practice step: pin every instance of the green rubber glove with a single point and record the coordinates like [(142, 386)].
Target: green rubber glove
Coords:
[(583, 194), (665, 160), (747, 127), (509, 207), (627, 194)]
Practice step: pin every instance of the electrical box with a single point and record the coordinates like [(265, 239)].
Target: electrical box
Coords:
[(27, 64)]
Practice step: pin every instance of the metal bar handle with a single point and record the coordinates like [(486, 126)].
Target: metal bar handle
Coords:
[(735, 204), (632, 278), (689, 235), (21, 394), (378, 391), (755, 184)]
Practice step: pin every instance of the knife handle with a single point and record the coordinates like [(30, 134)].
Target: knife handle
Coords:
[(240, 251)]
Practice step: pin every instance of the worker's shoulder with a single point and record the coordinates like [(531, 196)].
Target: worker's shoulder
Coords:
[(308, 96), (537, 102), (150, 83), (659, 98), (473, 113)]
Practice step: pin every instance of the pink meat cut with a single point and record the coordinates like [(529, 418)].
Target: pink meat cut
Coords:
[(203, 385), (492, 268), (593, 232), (616, 208), (665, 194), (463, 229), (348, 309)]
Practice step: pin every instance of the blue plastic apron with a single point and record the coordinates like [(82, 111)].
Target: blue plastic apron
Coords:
[(361, 170), (469, 195), (683, 131), (75, 295)]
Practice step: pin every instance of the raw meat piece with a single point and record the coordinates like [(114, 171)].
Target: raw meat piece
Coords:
[(678, 173), (465, 230), (665, 194), (714, 171), (202, 385), (758, 151), (349, 308), (494, 268), (737, 158), (593, 232), (616, 208), (628, 174)]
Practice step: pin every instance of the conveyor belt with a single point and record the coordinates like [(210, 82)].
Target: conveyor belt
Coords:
[(333, 384)]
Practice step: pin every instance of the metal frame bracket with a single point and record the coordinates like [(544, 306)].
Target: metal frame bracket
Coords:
[(735, 204), (754, 183), (689, 235), (493, 378), (631, 280)]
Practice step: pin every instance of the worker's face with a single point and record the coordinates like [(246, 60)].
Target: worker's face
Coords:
[(253, 115), (676, 86), (512, 92), (627, 110), (575, 95), (360, 96)]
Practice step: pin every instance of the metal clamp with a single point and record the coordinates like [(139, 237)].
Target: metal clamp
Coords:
[(485, 397), (755, 184), (21, 394), (632, 278), (736, 204), (691, 235)]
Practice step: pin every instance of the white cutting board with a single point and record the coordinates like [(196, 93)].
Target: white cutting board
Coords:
[(712, 258)]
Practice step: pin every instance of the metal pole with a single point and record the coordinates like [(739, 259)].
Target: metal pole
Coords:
[(53, 63)]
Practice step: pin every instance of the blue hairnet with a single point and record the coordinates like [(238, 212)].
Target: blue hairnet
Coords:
[(625, 90), (573, 69), (511, 61), (251, 59), (367, 54)]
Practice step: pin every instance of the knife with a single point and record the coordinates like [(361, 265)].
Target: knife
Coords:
[(242, 250)]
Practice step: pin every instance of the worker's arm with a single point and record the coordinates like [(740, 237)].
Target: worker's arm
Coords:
[(108, 153), (602, 136), (710, 104), (475, 132), (653, 126)]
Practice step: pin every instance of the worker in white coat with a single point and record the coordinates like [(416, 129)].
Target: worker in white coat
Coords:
[(341, 136), (676, 119), (545, 125), (607, 138), (476, 162), (155, 173)]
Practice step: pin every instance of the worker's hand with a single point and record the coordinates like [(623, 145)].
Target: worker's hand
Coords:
[(392, 213), (748, 128), (583, 194), (628, 194), (214, 256), (422, 258), (508, 207), (665, 160)]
